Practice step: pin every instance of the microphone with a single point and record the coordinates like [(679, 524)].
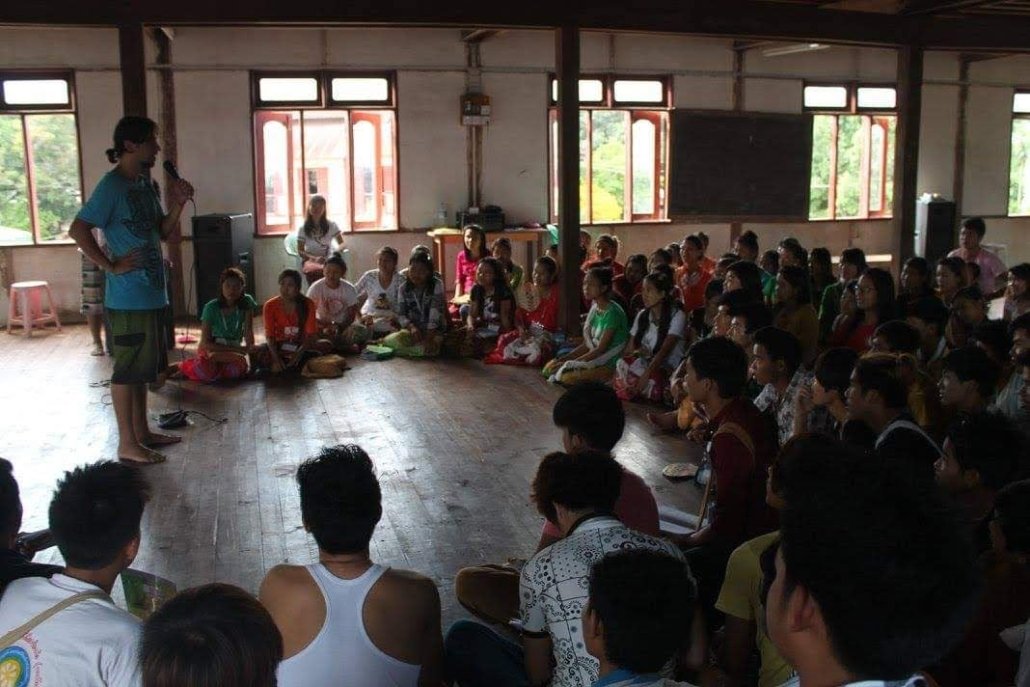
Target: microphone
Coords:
[(172, 171)]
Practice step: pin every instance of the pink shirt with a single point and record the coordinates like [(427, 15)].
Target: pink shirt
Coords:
[(636, 507), (991, 267), (465, 272)]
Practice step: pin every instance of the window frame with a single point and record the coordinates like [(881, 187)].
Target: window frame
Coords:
[(656, 113), (23, 111), (870, 117), (1021, 116), (265, 111)]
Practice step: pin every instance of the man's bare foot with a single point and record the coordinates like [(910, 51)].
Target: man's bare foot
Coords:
[(666, 422), (98, 349), (152, 439), (140, 455)]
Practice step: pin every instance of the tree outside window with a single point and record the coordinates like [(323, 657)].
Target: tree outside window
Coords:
[(1019, 170), (40, 180)]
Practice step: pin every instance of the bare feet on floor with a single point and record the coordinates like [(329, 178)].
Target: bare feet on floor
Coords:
[(663, 421), (140, 455), (98, 349), (153, 439)]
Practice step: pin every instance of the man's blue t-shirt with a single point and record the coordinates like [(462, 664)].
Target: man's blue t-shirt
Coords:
[(129, 213)]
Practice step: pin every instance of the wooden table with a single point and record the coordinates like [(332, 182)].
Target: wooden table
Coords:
[(441, 237)]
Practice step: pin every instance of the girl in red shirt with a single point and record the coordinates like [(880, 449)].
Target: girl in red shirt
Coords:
[(288, 343)]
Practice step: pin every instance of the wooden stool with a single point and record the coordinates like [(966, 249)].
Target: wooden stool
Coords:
[(27, 297)]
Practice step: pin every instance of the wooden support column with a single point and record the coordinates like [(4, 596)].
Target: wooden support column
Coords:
[(959, 185), (567, 58), (134, 69), (739, 52), (906, 154), (168, 133)]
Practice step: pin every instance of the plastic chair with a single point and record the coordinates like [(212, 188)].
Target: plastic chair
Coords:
[(26, 306)]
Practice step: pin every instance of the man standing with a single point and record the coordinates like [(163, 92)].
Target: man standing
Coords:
[(126, 208), (991, 266)]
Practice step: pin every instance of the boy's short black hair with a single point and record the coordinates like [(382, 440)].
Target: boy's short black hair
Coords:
[(833, 369), (10, 501), (749, 239), (989, 443), (96, 512), (994, 335), (756, 314), (1012, 508), (900, 336), (217, 634), (780, 345), (713, 289), (930, 310), (976, 224), (724, 362), (340, 498), (589, 480), (970, 363), (880, 372), (884, 558), (733, 299), (637, 258), (645, 602), (593, 412), (968, 293)]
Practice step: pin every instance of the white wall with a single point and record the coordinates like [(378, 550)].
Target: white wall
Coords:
[(215, 126)]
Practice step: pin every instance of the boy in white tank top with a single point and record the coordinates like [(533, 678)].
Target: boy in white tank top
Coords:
[(346, 620)]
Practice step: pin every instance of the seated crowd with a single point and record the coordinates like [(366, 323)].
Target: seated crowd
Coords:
[(866, 519)]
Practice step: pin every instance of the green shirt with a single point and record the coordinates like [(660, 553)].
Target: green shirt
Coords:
[(227, 329), (613, 318)]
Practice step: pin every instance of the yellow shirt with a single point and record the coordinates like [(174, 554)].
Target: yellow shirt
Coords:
[(741, 597)]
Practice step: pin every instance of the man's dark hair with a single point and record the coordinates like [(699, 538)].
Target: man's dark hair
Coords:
[(968, 293), (879, 372), (994, 335), (637, 258), (645, 602), (856, 257), (732, 299), (970, 363), (713, 289), (833, 369), (780, 345), (129, 128), (1021, 322), (1012, 508), (10, 501), (96, 512), (724, 362), (989, 443), (340, 499), (589, 480), (883, 556), (749, 239), (930, 310), (217, 634), (750, 276), (756, 314), (900, 336), (976, 224), (593, 412), (773, 258)]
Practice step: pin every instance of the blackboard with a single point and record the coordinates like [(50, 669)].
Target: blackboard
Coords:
[(739, 164)]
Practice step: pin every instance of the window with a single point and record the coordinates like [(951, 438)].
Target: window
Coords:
[(1019, 172), (853, 138), (328, 134), (40, 179), (623, 148)]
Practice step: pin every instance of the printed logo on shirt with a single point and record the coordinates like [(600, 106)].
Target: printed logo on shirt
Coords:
[(291, 331), (15, 667)]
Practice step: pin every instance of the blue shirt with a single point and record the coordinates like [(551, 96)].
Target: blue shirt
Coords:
[(129, 213)]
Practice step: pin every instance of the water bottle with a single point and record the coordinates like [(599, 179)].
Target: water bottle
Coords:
[(440, 218), (704, 470)]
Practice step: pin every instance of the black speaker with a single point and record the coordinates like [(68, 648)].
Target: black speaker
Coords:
[(220, 241), (935, 228)]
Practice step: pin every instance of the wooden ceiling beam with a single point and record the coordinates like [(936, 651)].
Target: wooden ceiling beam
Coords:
[(753, 20)]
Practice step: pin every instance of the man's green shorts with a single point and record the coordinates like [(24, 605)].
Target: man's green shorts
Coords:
[(140, 346)]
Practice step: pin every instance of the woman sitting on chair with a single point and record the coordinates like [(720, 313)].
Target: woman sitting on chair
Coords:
[(315, 239), (226, 332)]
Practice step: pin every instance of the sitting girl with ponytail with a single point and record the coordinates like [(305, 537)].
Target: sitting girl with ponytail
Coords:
[(657, 342)]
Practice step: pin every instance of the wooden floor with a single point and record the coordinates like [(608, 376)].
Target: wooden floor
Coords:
[(456, 444)]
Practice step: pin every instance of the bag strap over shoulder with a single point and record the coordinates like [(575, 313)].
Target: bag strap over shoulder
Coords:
[(22, 630), (735, 430)]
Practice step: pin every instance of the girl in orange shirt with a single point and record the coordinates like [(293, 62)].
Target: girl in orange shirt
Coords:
[(288, 343)]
